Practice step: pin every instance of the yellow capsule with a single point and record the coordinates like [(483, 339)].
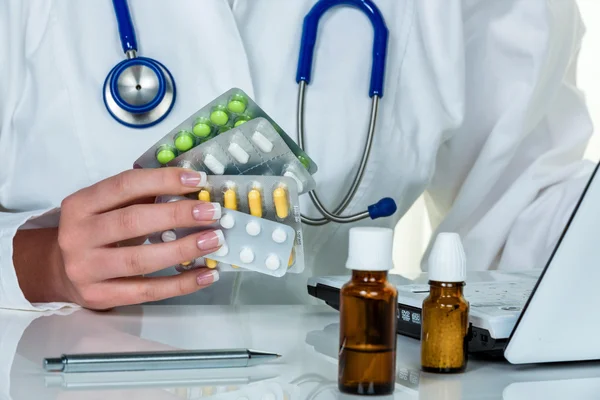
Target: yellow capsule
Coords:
[(282, 208), (292, 258), (204, 195), (185, 264), (230, 199), (255, 203), (212, 264), (234, 266)]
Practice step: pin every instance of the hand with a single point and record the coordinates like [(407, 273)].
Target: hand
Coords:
[(99, 261)]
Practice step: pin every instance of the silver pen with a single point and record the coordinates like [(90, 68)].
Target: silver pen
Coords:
[(162, 360)]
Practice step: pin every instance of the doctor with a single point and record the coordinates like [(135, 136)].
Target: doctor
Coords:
[(481, 111)]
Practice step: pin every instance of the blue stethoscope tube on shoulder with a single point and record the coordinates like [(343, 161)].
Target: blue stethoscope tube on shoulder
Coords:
[(386, 206), (138, 92)]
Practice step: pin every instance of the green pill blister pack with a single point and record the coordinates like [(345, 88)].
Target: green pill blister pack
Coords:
[(231, 110)]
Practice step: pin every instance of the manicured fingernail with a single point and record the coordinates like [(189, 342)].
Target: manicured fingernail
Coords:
[(207, 277), (210, 240), (207, 212), (193, 178)]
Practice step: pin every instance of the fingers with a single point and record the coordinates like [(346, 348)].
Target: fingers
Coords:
[(141, 260), (131, 185), (143, 219), (142, 290)]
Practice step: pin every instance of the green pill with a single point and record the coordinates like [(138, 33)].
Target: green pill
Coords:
[(237, 104), (202, 128), (219, 116), (184, 141), (165, 154), (304, 161), (241, 120)]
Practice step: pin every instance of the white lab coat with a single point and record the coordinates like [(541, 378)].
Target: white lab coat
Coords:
[(481, 111)]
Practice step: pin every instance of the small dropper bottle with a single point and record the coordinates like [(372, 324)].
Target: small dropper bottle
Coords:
[(445, 312), (368, 304)]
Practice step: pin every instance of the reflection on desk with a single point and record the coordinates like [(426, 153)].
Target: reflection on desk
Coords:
[(306, 336)]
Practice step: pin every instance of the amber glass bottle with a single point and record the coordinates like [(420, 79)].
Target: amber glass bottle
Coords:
[(368, 304), (445, 312)]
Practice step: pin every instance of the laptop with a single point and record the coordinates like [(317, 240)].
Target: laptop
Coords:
[(548, 314)]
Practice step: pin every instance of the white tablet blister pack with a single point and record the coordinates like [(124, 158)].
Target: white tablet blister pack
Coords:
[(252, 243), (254, 148), (232, 109), (270, 197)]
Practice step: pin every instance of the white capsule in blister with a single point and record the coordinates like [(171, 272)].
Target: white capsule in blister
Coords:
[(246, 255), (253, 228), (214, 165), (262, 142), (279, 235), (272, 262), (238, 153), (227, 221), (292, 175)]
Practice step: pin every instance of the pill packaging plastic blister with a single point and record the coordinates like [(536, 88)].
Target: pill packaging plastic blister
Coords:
[(251, 243), (230, 110), (270, 197), (254, 148)]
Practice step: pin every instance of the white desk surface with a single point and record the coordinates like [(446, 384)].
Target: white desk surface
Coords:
[(306, 336)]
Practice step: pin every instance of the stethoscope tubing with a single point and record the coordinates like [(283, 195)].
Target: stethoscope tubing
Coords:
[(384, 207)]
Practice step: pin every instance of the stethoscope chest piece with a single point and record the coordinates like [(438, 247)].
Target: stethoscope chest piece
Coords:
[(139, 92)]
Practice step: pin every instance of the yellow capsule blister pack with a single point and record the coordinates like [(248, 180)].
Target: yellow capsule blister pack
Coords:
[(270, 198)]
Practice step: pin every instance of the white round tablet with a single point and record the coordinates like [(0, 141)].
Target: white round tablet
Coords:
[(227, 221), (279, 235), (272, 262), (253, 228), (269, 396), (168, 236), (223, 251), (246, 255)]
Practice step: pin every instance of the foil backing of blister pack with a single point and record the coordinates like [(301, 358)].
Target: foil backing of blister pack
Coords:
[(232, 109)]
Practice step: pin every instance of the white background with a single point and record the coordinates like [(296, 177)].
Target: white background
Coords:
[(413, 230)]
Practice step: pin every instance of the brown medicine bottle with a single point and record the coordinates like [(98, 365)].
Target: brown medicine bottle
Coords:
[(368, 304), (445, 312)]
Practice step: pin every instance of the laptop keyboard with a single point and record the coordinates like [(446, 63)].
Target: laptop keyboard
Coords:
[(509, 296)]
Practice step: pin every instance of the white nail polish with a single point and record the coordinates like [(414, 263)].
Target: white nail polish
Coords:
[(220, 236), (203, 179), (215, 275), (217, 211)]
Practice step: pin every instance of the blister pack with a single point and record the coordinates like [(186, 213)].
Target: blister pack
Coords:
[(251, 243), (270, 197), (230, 110), (254, 148)]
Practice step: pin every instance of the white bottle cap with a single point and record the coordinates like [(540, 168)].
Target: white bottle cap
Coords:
[(370, 249), (447, 261)]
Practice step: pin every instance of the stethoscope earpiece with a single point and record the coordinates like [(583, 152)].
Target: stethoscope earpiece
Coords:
[(138, 92)]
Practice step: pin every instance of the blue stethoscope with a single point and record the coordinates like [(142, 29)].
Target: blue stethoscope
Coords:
[(140, 92)]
